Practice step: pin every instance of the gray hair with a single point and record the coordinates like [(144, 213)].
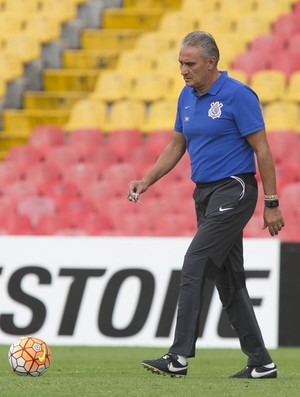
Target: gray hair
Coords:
[(205, 43)]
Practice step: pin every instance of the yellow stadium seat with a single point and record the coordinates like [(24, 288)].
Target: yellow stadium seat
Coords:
[(131, 18), (27, 48), (199, 6), (87, 114), (215, 23), (282, 115), (269, 85), (168, 62), (272, 9), (70, 80), (152, 3), (51, 100), (2, 87), (293, 87), (230, 44), (10, 24), (236, 8), (151, 86), (90, 59), (25, 8), (238, 75), (62, 10), (10, 66), (23, 121), (154, 42), (134, 62), (178, 21), (176, 85), (125, 114), (44, 27), (112, 85), (160, 116), (109, 39), (251, 25)]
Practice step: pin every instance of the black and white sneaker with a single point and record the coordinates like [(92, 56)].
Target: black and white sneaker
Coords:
[(166, 365), (256, 373)]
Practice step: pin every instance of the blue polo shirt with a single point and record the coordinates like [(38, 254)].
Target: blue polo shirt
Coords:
[(215, 125)]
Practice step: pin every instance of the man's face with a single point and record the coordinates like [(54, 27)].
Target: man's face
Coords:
[(194, 68)]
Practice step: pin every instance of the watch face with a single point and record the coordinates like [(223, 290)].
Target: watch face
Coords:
[(271, 203)]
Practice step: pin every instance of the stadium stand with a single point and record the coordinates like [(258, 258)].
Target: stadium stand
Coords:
[(76, 96)]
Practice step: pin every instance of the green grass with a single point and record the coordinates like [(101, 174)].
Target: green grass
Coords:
[(106, 371)]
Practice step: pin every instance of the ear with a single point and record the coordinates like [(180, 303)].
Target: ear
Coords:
[(211, 62)]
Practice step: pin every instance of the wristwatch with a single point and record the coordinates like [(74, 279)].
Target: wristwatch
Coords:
[(272, 203)]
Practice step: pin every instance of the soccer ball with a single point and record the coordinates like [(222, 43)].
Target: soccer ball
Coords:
[(29, 356)]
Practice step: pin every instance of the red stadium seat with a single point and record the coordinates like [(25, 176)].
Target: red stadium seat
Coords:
[(156, 142), (42, 174), (86, 141), (175, 225), (118, 176), (97, 192), (77, 210), (122, 142), (36, 206), (287, 25), (134, 224), (287, 173), (254, 228), (286, 61), (50, 224), (283, 144), (61, 156), (19, 190), (97, 225), (293, 43), (81, 174), (14, 224), (251, 61), (24, 156), (61, 192), (268, 43), (9, 172), (43, 137)]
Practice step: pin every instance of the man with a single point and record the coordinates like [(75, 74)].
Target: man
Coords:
[(219, 122)]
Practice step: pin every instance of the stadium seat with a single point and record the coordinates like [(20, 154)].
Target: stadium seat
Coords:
[(48, 26), (175, 225), (87, 114), (168, 62), (133, 224), (97, 193), (118, 176), (85, 141), (10, 24), (51, 100), (123, 142), (287, 25), (9, 172), (97, 225), (112, 85), (293, 87), (71, 80), (81, 174), (27, 48), (125, 114), (61, 156), (35, 206), (286, 61), (29, 7), (45, 136), (268, 43), (15, 224), (216, 22), (280, 115), (151, 86), (42, 174), (176, 85), (238, 45), (133, 18), (151, 3), (251, 25), (287, 173), (272, 9), (178, 21), (10, 66), (160, 116), (199, 6), (251, 62), (269, 85), (133, 62), (18, 190), (49, 225), (254, 228), (109, 39), (102, 158), (24, 156), (60, 192), (63, 10), (283, 144), (157, 141), (239, 75), (154, 42), (76, 210)]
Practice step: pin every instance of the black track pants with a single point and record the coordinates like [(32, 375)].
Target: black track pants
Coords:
[(216, 252)]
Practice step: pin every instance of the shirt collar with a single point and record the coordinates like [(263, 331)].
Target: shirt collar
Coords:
[(214, 89)]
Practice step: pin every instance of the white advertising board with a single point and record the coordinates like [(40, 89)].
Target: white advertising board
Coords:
[(118, 291)]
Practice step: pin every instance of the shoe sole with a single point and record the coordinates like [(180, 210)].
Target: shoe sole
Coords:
[(160, 372)]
